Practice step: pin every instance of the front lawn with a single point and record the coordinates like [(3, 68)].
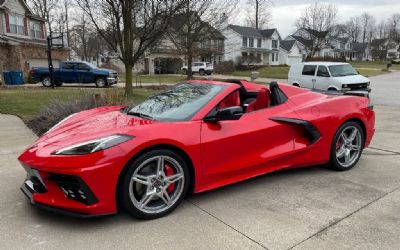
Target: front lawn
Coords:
[(26, 102), (373, 65), (160, 79), (273, 72)]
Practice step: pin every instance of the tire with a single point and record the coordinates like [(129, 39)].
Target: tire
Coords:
[(202, 72), (296, 85), (101, 82), (58, 84), (344, 154), (169, 187), (184, 71), (332, 89), (46, 82)]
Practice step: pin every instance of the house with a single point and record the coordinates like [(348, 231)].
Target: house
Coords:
[(379, 48), (361, 51), (339, 47), (252, 46), (166, 56), (290, 52), (23, 38), (312, 42)]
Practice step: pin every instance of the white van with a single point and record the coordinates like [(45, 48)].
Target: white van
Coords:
[(327, 76)]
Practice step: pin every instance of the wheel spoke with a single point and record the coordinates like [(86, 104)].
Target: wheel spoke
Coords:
[(344, 137), (146, 198), (174, 178), (347, 156), (160, 166), (353, 134), (340, 153), (355, 147), (141, 179), (166, 198)]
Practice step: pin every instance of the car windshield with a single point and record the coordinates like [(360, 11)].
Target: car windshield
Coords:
[(180, 103), (342, 70)]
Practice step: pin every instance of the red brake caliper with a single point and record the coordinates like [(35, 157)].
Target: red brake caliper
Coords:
[(169, 172)]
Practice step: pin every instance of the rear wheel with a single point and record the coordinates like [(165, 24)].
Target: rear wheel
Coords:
[(347, 146), (101, 82), (184, 71), (155, 184), (46, 82), (202, 72), (296, 85)]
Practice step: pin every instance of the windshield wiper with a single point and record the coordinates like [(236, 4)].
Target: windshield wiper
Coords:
[(141, 115)]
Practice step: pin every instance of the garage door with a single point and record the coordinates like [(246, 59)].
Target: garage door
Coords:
[(42, 63), (293, 59)]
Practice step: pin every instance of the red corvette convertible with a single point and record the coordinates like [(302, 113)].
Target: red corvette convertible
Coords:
[(196, 136)]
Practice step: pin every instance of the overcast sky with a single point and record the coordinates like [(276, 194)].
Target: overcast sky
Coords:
[(286, 12)]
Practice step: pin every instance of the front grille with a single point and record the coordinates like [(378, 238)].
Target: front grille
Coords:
[(74, 188), (34, 180), (358, 86)]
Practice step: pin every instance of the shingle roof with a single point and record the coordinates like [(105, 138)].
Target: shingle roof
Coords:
[(359, 47), (302, 40), (316, 33), (1, 2), (287, 44), (378, 42), (252, 32)]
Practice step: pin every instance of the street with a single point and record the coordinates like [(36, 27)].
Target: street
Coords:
[(309, 208)]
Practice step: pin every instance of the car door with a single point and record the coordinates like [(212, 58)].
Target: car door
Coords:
[(254, 144), (66, 73), (84, 73), (308, 76), (323, 78)]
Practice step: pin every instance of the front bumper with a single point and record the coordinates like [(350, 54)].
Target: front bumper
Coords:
[(112, 80)]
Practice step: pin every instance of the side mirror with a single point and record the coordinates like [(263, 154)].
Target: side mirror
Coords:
[(226, 114)]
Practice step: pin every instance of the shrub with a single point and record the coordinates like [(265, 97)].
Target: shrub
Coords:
[(224, 67), (55, 111)]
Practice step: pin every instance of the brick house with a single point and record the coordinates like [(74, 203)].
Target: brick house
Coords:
[(23, 39)]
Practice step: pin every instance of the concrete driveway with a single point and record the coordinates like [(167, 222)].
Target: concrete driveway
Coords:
[(311, 208)]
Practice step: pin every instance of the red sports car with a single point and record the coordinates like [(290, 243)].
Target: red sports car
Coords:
[(196, 136)]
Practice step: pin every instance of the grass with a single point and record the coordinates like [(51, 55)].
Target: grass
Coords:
[(27, 102), (280, 72), (160, 79)]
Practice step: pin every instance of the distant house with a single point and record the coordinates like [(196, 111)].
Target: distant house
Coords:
[(23, 38), (245, 43), (312, 42), (379, 48), (361, 51), (339, 47), (290, 52)]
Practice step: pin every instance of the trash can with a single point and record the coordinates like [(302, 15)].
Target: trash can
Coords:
[(17, 77), (7, 78)]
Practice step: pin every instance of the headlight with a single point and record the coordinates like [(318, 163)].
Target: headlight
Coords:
[(94, 145), (368, 83), (345, 86), (59, 123)]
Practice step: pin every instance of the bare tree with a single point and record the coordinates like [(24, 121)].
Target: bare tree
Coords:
[(315, 25), (259, 13), (382, 29), (194, 25), (319, 17), (45, 9), (368, 27), (394, 27), (130, 27), (353, 27)]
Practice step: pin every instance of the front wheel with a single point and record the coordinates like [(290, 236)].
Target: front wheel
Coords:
[(101, 82), (46, 82), (202, 72), (347, 146), (155, 184)]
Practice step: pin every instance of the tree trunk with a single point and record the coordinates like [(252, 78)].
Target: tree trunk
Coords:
[(190, 61), (128, 79), (256, 14)]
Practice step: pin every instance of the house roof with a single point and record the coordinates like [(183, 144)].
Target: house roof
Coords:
[(287, 44), (378, 42), (316, 33), (1, 2), (359, 47), (302, 40), (342, 39), (252, 32)]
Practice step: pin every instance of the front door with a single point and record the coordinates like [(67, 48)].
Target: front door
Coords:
[(249, 146), (323, 78)]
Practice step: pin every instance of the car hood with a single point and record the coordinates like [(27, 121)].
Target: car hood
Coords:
[(93, 124), (107, 70), (352, 79)]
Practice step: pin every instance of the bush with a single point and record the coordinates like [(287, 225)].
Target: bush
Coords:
[(224, 67), (55, 111)]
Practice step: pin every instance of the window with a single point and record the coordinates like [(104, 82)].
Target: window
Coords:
[(251, 42), (82, 66), (17, 24), (67, 65), (258, 43), (273, 57), (36, 30), (309, 70), (342, 70), (276, 57), (323, 71), (244, 42), (274, 44)]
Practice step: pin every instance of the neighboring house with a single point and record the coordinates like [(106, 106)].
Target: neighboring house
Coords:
[(290, 52), (312, 42), (379, 48), (393, 51), (23, 38), (339, 47), (362, 52), (244, 42), (166, 56)]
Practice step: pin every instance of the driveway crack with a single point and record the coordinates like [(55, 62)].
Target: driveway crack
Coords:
[(226, 224), (345, 217), (385, 150)]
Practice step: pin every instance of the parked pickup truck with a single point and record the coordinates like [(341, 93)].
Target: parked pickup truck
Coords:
[(76, 72)]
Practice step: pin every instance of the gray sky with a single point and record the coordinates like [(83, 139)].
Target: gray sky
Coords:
[(286, 12)]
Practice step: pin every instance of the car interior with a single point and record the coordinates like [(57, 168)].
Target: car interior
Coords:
[(251, 100)]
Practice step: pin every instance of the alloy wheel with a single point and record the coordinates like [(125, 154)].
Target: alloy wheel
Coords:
[(156, 184), (348, 146)]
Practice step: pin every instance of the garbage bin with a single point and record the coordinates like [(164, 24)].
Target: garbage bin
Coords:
[(17, 77), (7, 78)]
